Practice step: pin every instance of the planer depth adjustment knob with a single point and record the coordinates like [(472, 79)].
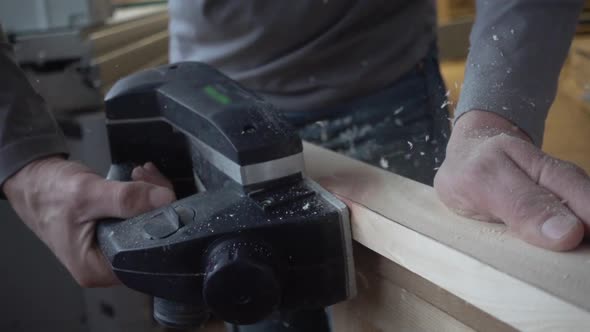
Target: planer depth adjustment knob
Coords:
[(241, 284)]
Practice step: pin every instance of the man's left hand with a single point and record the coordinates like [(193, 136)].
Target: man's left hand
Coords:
[(493, 172)]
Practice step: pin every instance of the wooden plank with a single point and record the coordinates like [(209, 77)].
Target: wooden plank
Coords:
[(391, 298), (384, 306), (522, 286), (369, 262)]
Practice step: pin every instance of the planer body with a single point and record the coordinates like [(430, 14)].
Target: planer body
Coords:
[(250, 234)]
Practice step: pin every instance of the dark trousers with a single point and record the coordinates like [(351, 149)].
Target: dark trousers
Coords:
[(403, 128)]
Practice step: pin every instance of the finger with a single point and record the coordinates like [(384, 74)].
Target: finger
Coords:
[(125, 199), (566, 180), (98, 272), (535, 214), (150, 173), (76, 248)]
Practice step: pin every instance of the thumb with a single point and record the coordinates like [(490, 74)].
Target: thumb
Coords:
[(127, 199), (534, 213)]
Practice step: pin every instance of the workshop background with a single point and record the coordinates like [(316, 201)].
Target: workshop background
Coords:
[(74, 50)]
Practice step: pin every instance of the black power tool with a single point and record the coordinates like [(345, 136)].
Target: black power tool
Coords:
[(250, 234)]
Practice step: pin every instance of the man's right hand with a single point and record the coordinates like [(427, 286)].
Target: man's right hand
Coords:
[(61, 200)]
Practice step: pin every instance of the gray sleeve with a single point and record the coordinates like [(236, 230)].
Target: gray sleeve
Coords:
[(517, 50), (28, 131)]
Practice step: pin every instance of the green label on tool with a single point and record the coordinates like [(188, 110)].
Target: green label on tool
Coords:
[(216, 95)]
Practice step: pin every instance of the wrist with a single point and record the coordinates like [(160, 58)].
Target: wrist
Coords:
[(26, 175), (479, 124)]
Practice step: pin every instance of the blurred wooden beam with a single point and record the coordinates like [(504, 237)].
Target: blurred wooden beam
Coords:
[(453, 39), (111, 37), (452, 10), (134, 39), (126, 60)]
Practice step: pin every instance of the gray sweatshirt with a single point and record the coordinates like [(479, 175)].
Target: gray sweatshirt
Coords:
[(305, 54)]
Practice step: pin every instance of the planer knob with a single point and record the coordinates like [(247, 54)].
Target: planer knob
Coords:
[(241, 284)]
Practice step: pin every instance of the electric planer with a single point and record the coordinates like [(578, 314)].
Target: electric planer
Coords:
[(250, 234)]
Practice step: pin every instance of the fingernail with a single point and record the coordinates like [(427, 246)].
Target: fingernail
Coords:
[(160, 196), (557, 227), (137, 174)]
